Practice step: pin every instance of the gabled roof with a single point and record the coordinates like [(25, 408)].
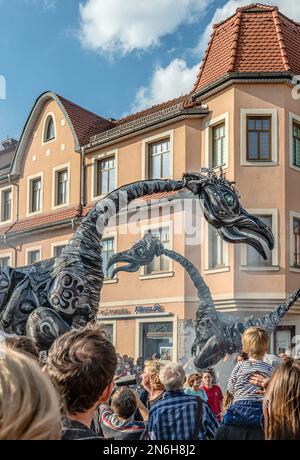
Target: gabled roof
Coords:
[(83, 125), (257, 38)]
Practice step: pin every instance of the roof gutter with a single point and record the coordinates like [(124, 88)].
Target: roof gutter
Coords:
[(241, 77)]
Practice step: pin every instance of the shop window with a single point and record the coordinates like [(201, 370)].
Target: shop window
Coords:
[(157, 338)]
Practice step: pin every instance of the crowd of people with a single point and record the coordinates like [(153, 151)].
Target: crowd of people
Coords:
[(79, 393)]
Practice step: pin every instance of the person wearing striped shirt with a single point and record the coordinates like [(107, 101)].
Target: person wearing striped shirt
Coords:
[(178, 416), (246, 409)]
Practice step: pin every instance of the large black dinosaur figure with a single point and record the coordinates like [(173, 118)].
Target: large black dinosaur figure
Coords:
[(216, 333), (47, 298)]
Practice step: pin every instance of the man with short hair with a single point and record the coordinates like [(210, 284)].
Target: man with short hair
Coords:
[(81, 365), (117, 421), (178, 416)]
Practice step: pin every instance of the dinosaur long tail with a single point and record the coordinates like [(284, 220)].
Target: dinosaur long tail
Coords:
[(271, 320)]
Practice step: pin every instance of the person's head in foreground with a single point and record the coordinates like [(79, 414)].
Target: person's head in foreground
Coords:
[(82, 364), (23, 344), (172, 376), (29, 407), (123, 403), (194, 381), (283, 414), (255, 342)]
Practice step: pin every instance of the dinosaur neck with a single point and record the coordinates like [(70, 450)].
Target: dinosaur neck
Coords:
[(203, 291), (87, 237)]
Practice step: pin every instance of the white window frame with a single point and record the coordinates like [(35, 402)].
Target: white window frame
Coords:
[(107, 236), (208, 270), (30, 178), (54, 185), (114, 325), (7, 254), (292, 117), (56, 244), (169, 223), (145, 152), (31, 249), (102, 156), (48, 114), (165, 319), (274, 136), (292, 214), (275, 252), (208, 135), (5, 222)]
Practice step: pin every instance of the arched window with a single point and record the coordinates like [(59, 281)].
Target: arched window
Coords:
[(49, 131)]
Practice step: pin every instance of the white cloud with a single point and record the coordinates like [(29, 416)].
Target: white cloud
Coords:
[(290, 8), (118, 26), (167, 83)]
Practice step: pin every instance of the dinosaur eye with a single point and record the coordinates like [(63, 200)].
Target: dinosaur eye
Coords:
[(229, 199)]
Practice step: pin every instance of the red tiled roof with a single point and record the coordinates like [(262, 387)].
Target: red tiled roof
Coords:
[(69, 213), (182, 101), (257, 38), (85, 123)]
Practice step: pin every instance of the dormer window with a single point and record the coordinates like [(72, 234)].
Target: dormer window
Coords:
[(49, 130)]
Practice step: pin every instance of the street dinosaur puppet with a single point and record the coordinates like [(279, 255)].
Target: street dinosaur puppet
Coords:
[(46, 299), (216, 333)]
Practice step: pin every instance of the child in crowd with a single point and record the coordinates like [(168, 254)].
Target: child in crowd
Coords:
[(246, 409), (194, 382), (117, 421), (213, 393)]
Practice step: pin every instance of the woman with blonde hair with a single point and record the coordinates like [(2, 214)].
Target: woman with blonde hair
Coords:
[(153, 388), (282, 417), (29, 407)]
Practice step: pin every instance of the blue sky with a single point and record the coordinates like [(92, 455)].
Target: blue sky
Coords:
[(110, 56)]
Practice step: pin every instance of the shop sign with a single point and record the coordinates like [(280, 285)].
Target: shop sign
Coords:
[(114, 312), (157, 308)]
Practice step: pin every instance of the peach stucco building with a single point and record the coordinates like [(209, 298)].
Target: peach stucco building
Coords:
[(243, 113)]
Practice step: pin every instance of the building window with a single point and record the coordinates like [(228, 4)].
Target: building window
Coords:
[(57, 250), (49, 130), (4, 262), (216, 249), (6, 205), (296, 243), (33, 256), (161, 263), (259, 138), (296, 144), (157, 337), (254, 259), (35, 195), (105, 176), (61, 187), (159, 159), (108, 250), (218, 146)]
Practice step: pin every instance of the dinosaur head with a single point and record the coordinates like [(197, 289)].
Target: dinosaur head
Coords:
[(141, 253), (222, 209)]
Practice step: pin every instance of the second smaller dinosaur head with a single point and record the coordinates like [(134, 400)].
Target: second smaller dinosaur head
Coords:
[(140, 254)]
